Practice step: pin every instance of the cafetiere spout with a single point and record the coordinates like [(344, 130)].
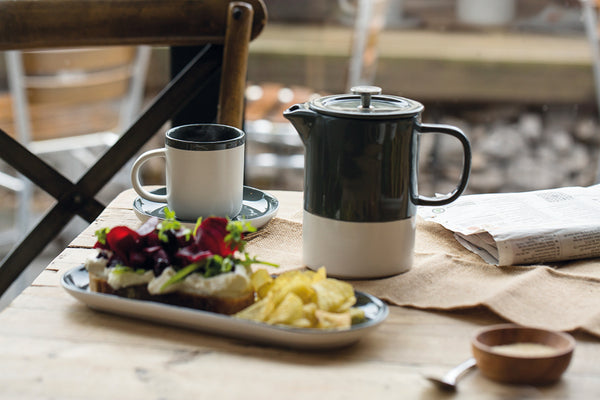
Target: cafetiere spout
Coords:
[(303, 118)]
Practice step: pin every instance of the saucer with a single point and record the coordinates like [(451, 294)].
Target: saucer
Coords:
[(258, 208)]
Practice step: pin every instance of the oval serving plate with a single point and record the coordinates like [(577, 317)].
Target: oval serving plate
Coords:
[(76, 283)]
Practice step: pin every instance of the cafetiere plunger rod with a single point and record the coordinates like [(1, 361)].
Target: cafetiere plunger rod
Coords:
[(365, 93)]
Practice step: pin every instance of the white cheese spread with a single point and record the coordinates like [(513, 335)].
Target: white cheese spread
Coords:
[(123, 279), (155, 287), (231, 284), (97, 265)]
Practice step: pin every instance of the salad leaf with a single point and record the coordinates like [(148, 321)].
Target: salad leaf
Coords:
[(236, 234), (101, 235), (247, 261), (170, 224), (217, 265), (121, 269), (197, 226), (211, 266), (180, 275)]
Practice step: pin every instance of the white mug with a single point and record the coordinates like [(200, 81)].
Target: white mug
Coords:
[(204, 171)]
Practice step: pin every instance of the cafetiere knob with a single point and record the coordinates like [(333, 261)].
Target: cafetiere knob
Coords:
[(365, 93)]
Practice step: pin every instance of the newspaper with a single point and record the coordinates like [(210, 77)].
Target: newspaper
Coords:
[(525, 228)]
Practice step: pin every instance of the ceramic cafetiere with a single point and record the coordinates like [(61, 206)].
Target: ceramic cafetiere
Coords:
[(360, 180)]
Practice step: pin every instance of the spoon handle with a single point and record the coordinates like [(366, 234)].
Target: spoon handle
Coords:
[(456, 372)]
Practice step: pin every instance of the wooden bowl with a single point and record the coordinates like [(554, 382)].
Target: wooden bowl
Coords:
[(540, 358)]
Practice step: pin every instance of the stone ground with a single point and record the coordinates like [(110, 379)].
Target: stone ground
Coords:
[(515, 150)]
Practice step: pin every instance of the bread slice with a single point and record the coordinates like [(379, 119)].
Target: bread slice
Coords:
[(221, 305)]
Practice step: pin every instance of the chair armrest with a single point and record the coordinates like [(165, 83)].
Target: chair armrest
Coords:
[(28, 24)]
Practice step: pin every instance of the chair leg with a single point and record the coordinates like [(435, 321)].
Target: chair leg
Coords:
[(235, 64)]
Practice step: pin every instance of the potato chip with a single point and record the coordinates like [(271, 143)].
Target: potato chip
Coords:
[(260, 278), (302, 299), (334, 295), (296, 282), (286, 312), (302, 323), (357, 315), (329, 320), (253, 312), (309, 314), (261, 281), (319, 275)]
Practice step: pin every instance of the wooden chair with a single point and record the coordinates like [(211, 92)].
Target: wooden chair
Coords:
[(67, 105), (215, 79)]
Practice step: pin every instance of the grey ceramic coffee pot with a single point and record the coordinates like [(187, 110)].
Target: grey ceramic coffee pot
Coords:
[(360, 180)]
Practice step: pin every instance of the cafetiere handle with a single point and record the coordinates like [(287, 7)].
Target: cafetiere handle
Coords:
[(464, 177)]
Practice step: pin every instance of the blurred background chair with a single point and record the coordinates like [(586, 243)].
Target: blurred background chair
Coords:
[(68, 105)]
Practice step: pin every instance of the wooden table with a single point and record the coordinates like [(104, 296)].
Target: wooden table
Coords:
[(52, 346)]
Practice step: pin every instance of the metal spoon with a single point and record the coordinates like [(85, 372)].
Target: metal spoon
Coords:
[(449, 381)]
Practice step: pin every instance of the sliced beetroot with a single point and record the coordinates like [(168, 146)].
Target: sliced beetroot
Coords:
[(144, 249), (211, 236)]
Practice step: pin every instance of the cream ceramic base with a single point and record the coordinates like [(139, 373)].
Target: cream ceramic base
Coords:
[(358, 249)]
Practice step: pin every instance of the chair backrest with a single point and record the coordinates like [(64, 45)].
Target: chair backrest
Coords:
[(224, 28), (33, 24), (69, 92)]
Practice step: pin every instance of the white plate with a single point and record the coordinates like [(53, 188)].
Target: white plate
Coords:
[(258, 208), (76, 283)]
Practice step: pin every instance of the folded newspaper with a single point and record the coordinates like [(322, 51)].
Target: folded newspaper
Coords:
[(525, 228)]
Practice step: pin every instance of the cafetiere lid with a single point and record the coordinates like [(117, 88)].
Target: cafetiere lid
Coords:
[(366, 102)]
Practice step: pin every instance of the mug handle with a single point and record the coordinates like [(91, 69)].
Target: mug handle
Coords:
[(135, 176), (464, 178)]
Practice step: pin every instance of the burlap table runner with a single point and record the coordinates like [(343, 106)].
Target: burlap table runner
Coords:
[(446, 276)]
